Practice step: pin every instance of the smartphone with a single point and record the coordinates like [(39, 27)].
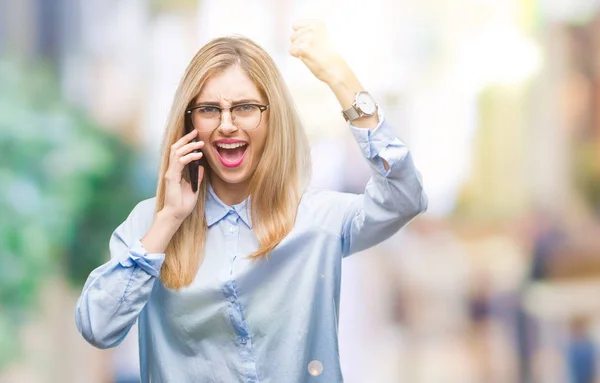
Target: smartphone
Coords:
[(193, 166)]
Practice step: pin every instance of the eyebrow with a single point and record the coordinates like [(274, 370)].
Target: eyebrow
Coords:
[(237, 102)]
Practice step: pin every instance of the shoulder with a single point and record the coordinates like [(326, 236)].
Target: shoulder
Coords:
[(135, 226), (147, 205), (142, 214), (325, 208), (319, 198)]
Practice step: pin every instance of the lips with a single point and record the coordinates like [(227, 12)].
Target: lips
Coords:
[(231, 152)]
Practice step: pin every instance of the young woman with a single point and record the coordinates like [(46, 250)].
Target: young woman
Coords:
[(239, 281)]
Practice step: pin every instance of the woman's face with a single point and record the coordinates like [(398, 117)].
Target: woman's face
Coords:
[(232, 152)]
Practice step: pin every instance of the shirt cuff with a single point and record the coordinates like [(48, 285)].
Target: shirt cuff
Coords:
[(373, 142), (137, 255)]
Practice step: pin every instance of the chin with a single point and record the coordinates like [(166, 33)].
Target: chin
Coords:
[(232, 176), (233, 179)]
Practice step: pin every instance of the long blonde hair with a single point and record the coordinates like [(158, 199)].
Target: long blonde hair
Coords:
[(282, 173)]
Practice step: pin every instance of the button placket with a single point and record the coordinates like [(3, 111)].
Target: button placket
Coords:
[(243, 336), (231, 233)]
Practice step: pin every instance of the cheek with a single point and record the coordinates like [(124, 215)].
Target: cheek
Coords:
[(206, 138), (203, 136), (207, 149), (258, 139), (259, 147)]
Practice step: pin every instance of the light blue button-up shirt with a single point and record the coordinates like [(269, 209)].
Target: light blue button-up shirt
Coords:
[(271, 320)]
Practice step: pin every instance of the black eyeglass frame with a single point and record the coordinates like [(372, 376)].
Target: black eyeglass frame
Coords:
[(261, 107)]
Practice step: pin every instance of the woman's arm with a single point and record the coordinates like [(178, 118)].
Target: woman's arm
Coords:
[(116, 292), (394, 194), (311, 44)]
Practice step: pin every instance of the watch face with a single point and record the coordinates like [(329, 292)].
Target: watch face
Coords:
[(366, 104)]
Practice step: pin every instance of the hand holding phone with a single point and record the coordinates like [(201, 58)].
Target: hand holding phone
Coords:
[(195, 164), (181, 196)]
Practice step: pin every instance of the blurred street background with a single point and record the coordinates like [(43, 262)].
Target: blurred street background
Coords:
[(499, 101)]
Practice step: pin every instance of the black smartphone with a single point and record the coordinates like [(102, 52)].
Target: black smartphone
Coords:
[(193, 166)]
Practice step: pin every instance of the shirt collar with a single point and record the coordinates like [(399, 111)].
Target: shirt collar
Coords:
[(216, 209)]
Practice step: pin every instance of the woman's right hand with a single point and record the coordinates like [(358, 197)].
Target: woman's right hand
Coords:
[(180, 200)]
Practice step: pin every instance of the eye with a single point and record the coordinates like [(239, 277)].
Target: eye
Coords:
[(208, 111), (246, 108)]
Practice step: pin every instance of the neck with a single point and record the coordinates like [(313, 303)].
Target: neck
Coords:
[(230, 194)]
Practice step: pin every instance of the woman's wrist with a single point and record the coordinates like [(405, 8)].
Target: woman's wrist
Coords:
[(345, 86), (167, 218), (159, 235)]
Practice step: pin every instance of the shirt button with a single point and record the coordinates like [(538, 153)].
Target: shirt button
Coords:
[(244, 341), (232, 229), (232, 299)]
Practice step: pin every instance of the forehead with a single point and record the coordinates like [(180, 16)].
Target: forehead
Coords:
[(231, 84)]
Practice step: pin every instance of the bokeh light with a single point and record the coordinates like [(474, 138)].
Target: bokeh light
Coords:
[(315, 368)]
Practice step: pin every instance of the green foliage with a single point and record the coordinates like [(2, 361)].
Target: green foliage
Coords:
[(65, 184)]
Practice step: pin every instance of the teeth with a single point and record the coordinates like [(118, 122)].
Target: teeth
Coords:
[(230, 146)]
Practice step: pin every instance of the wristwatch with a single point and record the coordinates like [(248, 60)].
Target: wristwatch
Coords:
[(364, 105)]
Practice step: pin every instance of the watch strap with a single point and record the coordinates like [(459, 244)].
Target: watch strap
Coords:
[(351, 113)]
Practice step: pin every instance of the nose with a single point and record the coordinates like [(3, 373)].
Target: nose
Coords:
[(226, 125)]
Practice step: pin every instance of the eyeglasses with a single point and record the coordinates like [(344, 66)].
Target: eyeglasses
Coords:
[(206, 118)]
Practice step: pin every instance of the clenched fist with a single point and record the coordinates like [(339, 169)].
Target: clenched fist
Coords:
[(311, 44)]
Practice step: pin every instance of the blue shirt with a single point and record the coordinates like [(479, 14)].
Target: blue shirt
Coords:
[(270, 320)]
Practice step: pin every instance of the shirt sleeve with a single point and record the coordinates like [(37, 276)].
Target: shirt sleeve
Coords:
[(116, 292), (392, 197)]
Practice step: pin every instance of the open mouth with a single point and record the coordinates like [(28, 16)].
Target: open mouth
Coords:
[(231, 154)]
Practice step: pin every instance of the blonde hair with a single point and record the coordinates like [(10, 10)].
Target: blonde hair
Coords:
[(283, 170)]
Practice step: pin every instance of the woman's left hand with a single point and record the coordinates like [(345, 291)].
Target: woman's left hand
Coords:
[(311, 44)]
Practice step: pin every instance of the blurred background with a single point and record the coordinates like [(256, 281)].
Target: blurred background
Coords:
[(499, 101)]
